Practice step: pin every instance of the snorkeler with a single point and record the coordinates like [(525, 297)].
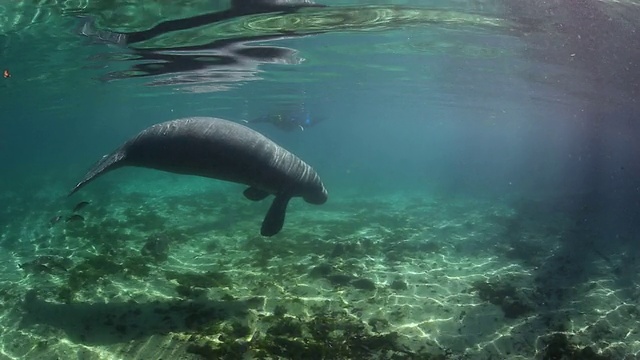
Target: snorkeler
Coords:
[(289, 120)]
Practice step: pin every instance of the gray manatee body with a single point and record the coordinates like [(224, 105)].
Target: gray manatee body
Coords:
[(224, 150)]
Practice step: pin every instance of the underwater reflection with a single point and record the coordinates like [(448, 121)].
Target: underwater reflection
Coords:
[(209, 51), (210, 69)]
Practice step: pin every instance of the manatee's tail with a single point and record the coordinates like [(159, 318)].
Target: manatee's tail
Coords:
[(274, 220), (107, 163)]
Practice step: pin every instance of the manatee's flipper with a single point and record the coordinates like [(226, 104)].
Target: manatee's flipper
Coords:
[(107, 163), (255, 194), (274, 220)]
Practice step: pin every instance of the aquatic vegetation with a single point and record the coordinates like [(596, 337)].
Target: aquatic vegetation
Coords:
[(337, 278), (355, 248), (313, 295), (558, 347), (190, 291), (9, 294), (399, 285), (287, 326), (145, 220), (48, 264), (205, 280), (321, 270), (91, 270), (363, 284), (378, 324), (264, 251), (279, 311), (65, 294), (504, 295), (136, 266), (156, 247), (340, 279), (326, 335), (399, 248), (108, 233)]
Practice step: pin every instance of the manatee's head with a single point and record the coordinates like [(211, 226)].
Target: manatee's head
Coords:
[(316, 194)]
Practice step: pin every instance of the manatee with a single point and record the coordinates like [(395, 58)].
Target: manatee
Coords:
[(224, 150)]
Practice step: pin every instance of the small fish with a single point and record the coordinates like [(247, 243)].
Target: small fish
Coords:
[(75, 218), (80, 206), (6, 74)]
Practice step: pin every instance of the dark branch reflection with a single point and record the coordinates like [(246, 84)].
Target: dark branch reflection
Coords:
[(209, 51), (209, 66)]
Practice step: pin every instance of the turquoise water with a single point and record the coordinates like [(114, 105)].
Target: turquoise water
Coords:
[(479, 158)]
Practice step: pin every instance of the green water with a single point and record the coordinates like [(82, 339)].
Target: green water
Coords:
[(480, 160)]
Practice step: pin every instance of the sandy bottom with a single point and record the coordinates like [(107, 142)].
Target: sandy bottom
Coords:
[(156, 274)]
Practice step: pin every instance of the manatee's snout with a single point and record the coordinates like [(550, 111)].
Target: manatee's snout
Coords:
[(317, 197)]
